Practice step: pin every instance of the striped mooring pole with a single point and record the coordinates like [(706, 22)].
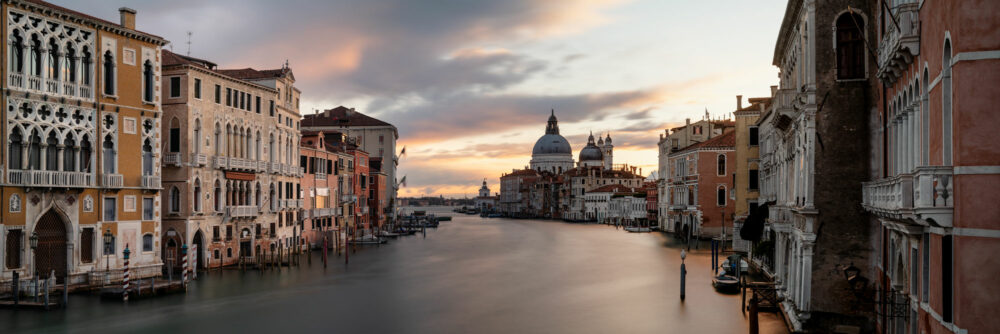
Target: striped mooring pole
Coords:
[(184, 265), (125, 277)]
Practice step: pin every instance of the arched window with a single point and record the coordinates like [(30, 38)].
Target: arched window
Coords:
[(229, 140), (17, 52), (273, 199), (109, 155), (36, 56), (147, 158), (720, 196), (256, 154), (53, 72), (69, 154), (721, 160), (218, 139), (175, 199), (196, 142), (270, 149), (109, 73), (175, 135), (850, 47), (16, 150), (52, 152), (85, 153), (86, 66), (197, 195), (147, 81), (257, 199), (69, 69), (147, 243), (924, 122), (946, 116), (34, 151)]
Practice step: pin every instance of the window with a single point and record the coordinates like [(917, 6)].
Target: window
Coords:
[(147, 83), (175, 87), (229, 97), (109, 73), (721, 164), (85, 67), (218, 94), (850, 47), (109, 155), (147, 208), (925, 278), (257, 100), (16, 148), (147, 158), (215, 235), (229, 232), (53, 69), (947, 266), (197, 196), (110, 209), (753, 179), (14, 249), (272, 108), (17, 52), (946, 113), (697, 130), (197, 88), (175, 135), (754, 134), (147, 243), (129, 203), (720, 197), (87, 245), (175, 200)]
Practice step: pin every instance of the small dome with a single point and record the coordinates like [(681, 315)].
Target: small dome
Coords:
[(552, 144), (591, 152)]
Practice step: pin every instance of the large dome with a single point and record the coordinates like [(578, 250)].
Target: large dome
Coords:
[(552, 144)]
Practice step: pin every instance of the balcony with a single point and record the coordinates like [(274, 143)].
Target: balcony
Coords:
[(15, 80), (220, 162), (52, 86), (899, 45), (113, 181), (323, 212), (302, 171), (150, 182), (242, 211), (298, 203), (46, 178), (34, 83), (275, 168), (262, 166), (320, 176), (925, 196), (85, 92), (199, 159), (348, 198), (173, 158), (69, 88)]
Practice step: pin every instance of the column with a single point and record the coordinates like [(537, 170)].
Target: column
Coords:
[(59, 157), (806, 276)]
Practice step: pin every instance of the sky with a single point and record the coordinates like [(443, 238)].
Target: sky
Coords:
[(470, 84)]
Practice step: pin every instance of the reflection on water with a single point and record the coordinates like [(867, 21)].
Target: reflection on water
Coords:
[(471, 275)]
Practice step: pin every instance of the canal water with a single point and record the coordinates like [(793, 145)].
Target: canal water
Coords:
[(470, 275)]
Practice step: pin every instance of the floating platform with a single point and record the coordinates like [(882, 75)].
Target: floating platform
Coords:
[(143, 289)]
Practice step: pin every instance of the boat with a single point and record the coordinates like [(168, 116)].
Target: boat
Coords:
[(635, 229), (368, 240), (444, 219), (495, 215), (723, 282), (387, 234)]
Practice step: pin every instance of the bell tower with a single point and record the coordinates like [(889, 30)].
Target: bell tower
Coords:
[(608, 149)]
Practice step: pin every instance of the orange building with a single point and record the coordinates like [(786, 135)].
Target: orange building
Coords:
[(82, 162), (321, 184), (699, 185)]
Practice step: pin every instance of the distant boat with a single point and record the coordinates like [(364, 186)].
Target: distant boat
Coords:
[(637, 229)]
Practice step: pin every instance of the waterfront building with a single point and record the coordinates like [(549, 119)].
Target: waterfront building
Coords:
[(674, 139), (374, 136), (353, 186), (485, 202), (552, 151), (628, 208), (321, 180), (232, 189), (83, 136), (649, 186), (935, 165), (377, 203), (514, 195), (746, 185), (811, 139), (699, 188)]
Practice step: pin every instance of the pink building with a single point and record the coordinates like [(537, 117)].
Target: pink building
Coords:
[(699, 185), (319, 189), (935, 191)]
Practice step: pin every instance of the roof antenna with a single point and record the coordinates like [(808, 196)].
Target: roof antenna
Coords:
[(189, 43)]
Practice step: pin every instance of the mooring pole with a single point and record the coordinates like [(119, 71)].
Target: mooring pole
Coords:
[(683, 273)]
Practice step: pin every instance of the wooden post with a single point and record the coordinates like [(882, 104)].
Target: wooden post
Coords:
[(754, 324)]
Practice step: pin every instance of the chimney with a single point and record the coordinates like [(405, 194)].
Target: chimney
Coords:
[(739, 102), (128, 17), (774, 90)]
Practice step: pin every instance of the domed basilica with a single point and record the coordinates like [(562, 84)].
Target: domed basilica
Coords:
[(552, 152)]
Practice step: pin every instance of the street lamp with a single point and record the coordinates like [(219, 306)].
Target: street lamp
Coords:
[(33, 242), (108, 238)]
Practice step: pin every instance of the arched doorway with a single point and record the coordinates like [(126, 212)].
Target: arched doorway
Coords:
[(51, 252), (199, 244), (171, 250)]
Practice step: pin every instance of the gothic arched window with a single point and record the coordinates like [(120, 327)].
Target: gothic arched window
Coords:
[(51, 152), (147, 158), (109, 73), (69, 154), (85, 70), (53, 72), (147, 81), (17, 52), (197, 195), (34, 151), (85, 152), (850, 47), (16, 149), (70, 67), (36, 56), (175, 200), (109, 155), (721, 165)]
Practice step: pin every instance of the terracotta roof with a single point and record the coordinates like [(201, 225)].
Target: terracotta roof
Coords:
[(251, 74), (755, 103), (92, 18), (726, 140), (341, 116), (522, 172), (170, 58)]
